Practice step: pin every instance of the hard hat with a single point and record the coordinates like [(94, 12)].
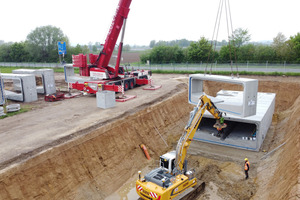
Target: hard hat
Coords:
[(246, 159)]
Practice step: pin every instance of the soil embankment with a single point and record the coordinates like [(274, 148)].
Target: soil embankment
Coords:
[(279, 174)]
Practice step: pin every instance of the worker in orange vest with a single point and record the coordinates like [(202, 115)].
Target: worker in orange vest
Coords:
[(247, 167)]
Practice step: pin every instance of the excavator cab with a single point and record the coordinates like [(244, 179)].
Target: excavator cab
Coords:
[(167, 161)]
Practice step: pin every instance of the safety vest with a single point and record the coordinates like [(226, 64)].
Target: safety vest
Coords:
[(246, 166)]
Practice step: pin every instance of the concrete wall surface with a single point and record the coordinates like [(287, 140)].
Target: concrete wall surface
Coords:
[(243, 105)]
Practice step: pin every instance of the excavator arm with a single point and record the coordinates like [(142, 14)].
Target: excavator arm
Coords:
[(189, 131)]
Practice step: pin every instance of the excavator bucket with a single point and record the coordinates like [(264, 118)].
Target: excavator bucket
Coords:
[(219, 125)]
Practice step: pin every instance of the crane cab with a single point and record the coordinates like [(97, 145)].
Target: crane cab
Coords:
[(167, 161)]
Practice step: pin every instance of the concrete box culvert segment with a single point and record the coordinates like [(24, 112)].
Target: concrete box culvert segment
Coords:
[(248, 112), (47, 76), (24, 87)]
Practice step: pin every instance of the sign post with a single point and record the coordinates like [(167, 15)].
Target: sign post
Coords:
[(62, 50)]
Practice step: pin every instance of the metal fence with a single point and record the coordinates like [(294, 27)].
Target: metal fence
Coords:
[(25, 64), (249, 67)]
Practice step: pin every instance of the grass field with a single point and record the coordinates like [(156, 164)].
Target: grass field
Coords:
[(159, 71), (10, 69)]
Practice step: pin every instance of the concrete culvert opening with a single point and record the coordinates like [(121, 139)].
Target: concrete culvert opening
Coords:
[(39, 84), (13, 89), (236, 134)]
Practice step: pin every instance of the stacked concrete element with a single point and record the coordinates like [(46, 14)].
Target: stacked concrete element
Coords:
[(47, 76), (13, 108), (24, 87), (248, 112), (2, 111), (106, 99)]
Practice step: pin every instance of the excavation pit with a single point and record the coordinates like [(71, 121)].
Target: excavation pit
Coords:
[(105, 157)]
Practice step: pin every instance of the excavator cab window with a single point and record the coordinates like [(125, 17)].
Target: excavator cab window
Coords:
[(164, 163), (173, 164)]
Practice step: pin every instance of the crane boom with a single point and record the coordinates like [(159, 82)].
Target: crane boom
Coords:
[(114, 31)]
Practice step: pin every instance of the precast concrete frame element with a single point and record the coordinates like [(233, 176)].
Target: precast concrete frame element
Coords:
[(47, 75), (2, 95), (2, 111), (26, 85), (70, 76), (245, 131), (230, 103)]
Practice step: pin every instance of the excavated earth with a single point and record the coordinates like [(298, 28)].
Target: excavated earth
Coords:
[(100, 159)]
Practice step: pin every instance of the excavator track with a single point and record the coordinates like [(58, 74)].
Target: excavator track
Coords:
[(197, 191)]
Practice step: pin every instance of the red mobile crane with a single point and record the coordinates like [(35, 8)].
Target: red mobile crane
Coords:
[(102, 76)]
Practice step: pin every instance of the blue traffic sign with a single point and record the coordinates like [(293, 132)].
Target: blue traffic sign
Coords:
[(62, 49)]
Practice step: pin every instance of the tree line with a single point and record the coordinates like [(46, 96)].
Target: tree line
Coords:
[(181, 43), (238, 49), (41, 46)]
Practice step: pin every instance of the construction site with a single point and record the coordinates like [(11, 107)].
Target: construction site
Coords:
[(72, 150), (111, 133)]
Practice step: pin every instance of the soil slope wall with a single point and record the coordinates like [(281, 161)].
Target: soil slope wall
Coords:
[(95, 165), (279, 174)]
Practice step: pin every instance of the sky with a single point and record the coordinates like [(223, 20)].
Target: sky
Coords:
[(89, 20)]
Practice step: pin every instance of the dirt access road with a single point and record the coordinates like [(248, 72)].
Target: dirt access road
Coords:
[(49, 124)]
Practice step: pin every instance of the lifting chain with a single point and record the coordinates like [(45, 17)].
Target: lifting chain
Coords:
[(216, 33)]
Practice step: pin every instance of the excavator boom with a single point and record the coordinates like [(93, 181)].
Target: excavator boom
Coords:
[(189, 131)]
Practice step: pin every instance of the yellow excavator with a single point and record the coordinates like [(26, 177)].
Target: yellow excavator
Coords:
[(172, 179)]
